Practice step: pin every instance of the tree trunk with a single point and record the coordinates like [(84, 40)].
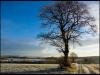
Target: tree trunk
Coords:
[(66, 59), (66, 51)]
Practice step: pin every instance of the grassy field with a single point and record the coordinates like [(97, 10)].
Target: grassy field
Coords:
[(26, 67), (44, 68)]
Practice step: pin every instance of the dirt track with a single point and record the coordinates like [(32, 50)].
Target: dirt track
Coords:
[(86, 69)]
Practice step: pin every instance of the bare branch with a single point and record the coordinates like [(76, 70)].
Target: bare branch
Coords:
[(71, 20)]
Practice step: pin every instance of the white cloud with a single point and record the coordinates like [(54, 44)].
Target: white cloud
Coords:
[(90, 50), (94, 10), (50, 51), (91, 45)]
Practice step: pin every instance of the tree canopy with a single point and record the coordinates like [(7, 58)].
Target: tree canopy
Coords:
[(67, 22)]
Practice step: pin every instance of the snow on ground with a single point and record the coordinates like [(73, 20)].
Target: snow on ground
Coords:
[(85, 70), (45, 69), (92, 69), (30, 68)]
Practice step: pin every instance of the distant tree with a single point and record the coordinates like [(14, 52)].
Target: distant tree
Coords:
[(73, 57), (67, 22), (86, 60)]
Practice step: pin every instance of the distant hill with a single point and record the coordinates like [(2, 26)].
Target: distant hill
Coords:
[(21, 57), (90, 59), (82, 60)]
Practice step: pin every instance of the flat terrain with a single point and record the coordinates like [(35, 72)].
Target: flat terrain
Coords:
[(49, 68), (88, 69)]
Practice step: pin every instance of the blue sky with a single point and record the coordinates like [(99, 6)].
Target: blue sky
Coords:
[(20, 24), (21, 18)]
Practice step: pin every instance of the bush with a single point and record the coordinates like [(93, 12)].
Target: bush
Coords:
[(62, 64)]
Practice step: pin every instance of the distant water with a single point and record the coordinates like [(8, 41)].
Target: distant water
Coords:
[(34, 60), (18, 59)]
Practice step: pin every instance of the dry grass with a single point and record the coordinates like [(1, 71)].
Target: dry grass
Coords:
[(26, 67), (42, 68), (96, 66), (17, 68), (72, 69)]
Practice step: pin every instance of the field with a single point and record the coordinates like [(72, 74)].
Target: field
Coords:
[(49, 68)]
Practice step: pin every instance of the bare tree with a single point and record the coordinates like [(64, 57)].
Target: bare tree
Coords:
[(73, 57), (67, 22)]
